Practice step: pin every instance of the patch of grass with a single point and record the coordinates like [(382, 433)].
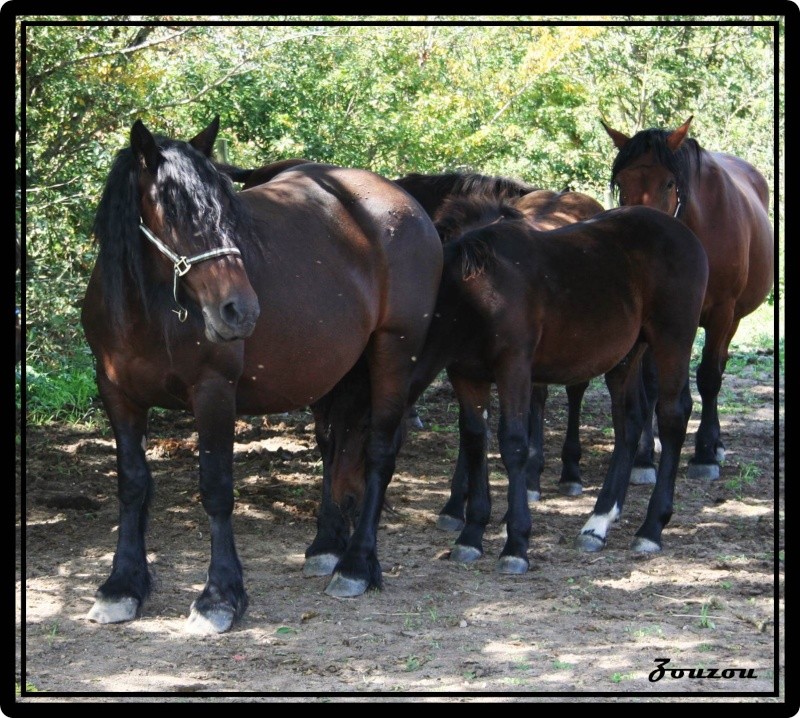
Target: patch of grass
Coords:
[(705, 620), (522, 666), (648, 631), (748, 474), (562, 665), (29, 688), (619, 677), (513, 681), (65, 392), (413, 663), (725, 584), (704, 648)]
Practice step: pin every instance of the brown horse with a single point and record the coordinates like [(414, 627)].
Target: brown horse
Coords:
[(518, 306), (725, 202), (458, 202), (279, 291), (542, 210)]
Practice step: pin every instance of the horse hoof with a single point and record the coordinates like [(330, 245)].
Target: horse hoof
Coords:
[(589, 542), (414, 422), (720, 454), (534, 496), (449, 523), (570, 488), (215, 620), (465, 554), (709, 472), (644, 545), (643, 476), (512, 565), (343, 587), (113, 610), (321, 565)]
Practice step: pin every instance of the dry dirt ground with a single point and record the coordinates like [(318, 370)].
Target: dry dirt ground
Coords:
[(576, 627)]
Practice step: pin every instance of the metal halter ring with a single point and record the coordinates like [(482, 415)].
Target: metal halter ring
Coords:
[(182, 265)]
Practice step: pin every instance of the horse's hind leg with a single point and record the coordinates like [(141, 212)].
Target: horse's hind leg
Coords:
[(673, 409), (223, 599), (535, 463), (570, 483), (122, 595), (709, 450), (644, 464), (451, 517), (340, 420), (389, 358), (473, 399), (628, 408)]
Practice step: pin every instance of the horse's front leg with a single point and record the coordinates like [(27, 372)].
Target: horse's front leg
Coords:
[(709, 450), (223, 599), (570, 483), (122, 595), (644, 463), (628, 409), (473, 400)]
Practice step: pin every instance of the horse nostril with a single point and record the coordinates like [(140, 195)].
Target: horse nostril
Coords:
[(230, 313)]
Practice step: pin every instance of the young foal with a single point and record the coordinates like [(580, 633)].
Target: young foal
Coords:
[(518, 306)]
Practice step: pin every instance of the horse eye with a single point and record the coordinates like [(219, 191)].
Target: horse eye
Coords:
[(670, 184)]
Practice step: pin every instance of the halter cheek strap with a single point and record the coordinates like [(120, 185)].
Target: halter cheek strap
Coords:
[(677, 208), (181, 265)]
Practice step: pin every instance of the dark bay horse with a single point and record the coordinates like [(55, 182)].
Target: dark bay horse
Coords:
[(725, 202), (518, 306), (542, 210), (457, 201), (261, 301)]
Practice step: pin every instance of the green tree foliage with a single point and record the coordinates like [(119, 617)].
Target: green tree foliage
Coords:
[(523, 100)]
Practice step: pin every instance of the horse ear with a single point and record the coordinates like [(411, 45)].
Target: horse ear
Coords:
[(204, 142), (674, 139), (144, 146), (619, 139)]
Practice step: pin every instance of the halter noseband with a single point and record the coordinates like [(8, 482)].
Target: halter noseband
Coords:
[(182, 265)]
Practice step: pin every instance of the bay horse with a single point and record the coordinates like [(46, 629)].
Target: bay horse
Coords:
[(542, 210), (260, 301), (448, 198), (518, 306), (724, 200)]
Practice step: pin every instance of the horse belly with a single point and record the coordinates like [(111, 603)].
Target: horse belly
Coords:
[(579, 353)]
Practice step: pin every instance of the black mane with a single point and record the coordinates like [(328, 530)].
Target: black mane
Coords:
[(197, 201), (431, 190), (458, 214), (681, 162)]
